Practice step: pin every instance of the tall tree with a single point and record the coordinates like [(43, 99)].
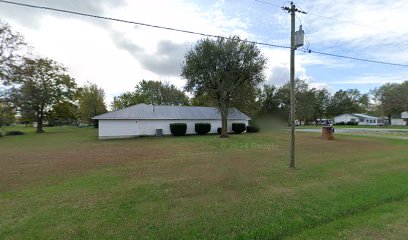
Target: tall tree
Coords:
[(269, 100), (151, 92), (42, 84), (392, 98), (347, 101), (64, 112), (224, 70), (91, 102), (7, 113), (322, 97), (10, 44)]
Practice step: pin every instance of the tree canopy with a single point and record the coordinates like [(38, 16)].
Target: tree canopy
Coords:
[(91, 102), (227, 71), (10, 43), (42, 83), (151, 92)]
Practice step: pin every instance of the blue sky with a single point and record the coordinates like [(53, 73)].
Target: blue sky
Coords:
[(117, 56)]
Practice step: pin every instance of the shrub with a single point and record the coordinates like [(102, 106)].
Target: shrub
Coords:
[(352, 123), (219, 130), (202, 128), (14, 133), (252, 129), (238, 127), (341, 123), (178, 129)]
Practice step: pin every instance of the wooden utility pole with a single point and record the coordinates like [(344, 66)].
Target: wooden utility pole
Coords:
[(293, 45), (292, 84)]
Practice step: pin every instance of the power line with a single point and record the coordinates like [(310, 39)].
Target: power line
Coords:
[(193, 32), (137, 23)]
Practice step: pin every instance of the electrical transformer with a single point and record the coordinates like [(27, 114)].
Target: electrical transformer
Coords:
[(299, 37)]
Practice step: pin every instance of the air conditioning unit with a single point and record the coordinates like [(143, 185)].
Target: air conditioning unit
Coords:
[(159, 133)]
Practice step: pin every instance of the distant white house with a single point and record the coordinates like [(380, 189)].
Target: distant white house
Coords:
[(403, 121), (360, 119), (144, 120)]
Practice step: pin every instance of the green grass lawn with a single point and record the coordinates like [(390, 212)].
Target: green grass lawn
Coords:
[(66, 184)]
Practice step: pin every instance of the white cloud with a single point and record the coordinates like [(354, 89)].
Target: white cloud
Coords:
[(117, 56)]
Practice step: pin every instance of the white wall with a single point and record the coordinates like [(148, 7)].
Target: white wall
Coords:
[(133, 128), (348, 118), (404, 115), (118, 128), (398, 122), (344, 118)]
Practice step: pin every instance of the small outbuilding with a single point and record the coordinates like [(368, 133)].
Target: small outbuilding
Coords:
[(403, 121), (145, 120)]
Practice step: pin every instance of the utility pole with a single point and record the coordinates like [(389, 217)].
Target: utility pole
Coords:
[(292, 84), (294, 43)]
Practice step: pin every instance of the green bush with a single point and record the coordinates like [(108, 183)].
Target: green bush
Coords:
[(252, 129), (340, 123), (14, 133), (238, 128), (219, 130), (178, 129), (202, 128), (352, 123)]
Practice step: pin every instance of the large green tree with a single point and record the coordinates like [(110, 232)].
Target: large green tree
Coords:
[(64, 112), (151, 92), (91, 102), (7, 113), (42, 83), (10, 44), (226, 70), (392, 99), (322, 100), (347, 101)]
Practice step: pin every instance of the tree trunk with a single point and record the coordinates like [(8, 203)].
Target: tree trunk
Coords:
[(40, 118), (224, 124), (40, 125)]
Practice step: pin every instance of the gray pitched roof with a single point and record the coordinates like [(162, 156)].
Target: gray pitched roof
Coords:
[(364, 115), (143, 111)]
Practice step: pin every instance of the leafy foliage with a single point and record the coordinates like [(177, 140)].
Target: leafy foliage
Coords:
[(42, 83), (7, 113), (91, 102), (202, 128), (10, 44), (63, 113), (178, 129), (238, 128), (151, 92), (227, 71), (392, 99)]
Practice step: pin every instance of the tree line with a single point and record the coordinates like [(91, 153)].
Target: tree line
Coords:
[(39, 89), (222, 72)]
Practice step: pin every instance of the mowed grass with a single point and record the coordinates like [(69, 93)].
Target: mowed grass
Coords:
[(66, 184)]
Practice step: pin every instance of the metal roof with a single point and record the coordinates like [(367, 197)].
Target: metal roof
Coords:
[(364, 115), (144, 111)]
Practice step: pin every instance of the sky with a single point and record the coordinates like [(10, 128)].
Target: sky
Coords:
[(116, 56)]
